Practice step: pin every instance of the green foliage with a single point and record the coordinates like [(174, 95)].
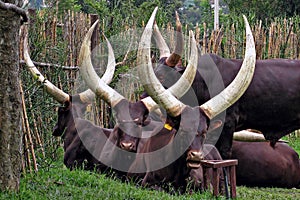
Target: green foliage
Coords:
[(264, 9)]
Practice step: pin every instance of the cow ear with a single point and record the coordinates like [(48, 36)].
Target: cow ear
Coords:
[(214, 125)]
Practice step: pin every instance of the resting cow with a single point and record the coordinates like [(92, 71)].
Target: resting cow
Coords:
[(270, 104), (77, 155), (194, 124), (261, 165), (191, 124), (131, 116), (74, 107)]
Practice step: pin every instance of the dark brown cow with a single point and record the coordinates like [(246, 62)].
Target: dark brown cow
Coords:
[(270, 104), (77, 155), (74, 107), (190, 124), (261, 165), (131, 116)]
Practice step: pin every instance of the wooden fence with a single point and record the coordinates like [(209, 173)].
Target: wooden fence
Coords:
[(57, 40)]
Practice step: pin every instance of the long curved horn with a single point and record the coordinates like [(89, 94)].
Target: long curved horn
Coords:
[(164, 50), (151, 83), (58, 94), (238, 86), (174, 58), (185, 81), (97, 85), (248, 136), (88, 95), (51, 89)]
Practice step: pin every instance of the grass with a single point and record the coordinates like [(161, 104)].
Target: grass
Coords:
[(57, 182)]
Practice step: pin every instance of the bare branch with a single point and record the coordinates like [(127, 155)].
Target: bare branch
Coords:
[(40, 64), (16, 9)]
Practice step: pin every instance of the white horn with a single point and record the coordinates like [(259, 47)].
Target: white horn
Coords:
[(239, 85), (58, 94), (151, 83), (97, 85)]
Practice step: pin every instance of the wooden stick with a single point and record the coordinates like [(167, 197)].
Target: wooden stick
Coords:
[(27, 127), (26, 148), (35, 129)]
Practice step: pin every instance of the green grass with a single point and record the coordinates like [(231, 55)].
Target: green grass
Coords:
[(57, 182), (60, 183)]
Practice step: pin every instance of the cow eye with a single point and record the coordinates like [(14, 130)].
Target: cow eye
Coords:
[(136, 120)]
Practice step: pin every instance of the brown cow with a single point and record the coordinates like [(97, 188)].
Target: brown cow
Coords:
[(73, 107), (76, 153), (184, 147), (131, 116), (263, 166)]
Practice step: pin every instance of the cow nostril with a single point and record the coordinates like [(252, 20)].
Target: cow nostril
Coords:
[(196, 154), (127, 145)]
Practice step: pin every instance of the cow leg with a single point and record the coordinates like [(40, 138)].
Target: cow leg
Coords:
[(72, 157), (224, 143)]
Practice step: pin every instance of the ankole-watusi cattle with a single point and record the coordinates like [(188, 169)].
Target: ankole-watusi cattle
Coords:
[(191, 123), (270, 104), (73, 107), (261, 165), (131, 116)]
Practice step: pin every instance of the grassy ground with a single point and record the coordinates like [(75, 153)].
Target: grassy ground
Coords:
[(57, 182)]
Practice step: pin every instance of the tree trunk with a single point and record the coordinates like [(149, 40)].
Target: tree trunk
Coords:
[(10, 100)]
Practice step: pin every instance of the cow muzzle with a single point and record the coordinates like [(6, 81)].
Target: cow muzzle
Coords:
[(193, 159), (127, 146)]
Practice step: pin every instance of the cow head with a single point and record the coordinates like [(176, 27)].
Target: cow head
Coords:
[(67, 113), (131, 118), (207, 111)]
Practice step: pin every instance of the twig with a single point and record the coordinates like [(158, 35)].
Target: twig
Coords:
[(126, 55), (41, 64)]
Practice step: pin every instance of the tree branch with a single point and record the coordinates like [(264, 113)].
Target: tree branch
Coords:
[(41, 64), (16, 9)]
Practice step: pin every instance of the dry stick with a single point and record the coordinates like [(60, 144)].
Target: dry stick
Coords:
[(258, 40), (204, 39), (211, 40), (197, 33), (50, 65), (126, 55), (100, 113), (233, 42), (288, 37), (185, 49), (35, 129), (28, 129), (188, 54), (277, 41), (270, 40), (26, 146), (218, 39)]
